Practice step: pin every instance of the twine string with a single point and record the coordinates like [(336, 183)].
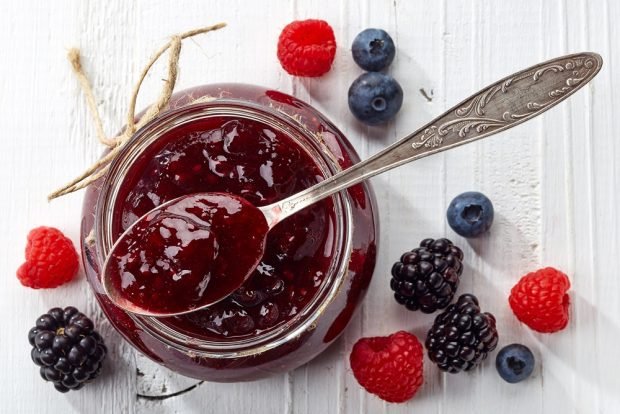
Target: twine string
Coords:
[(100, 167), (76, 64)]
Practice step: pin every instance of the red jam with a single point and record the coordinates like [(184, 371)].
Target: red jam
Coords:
[(249, 159), (189, 253), (319, 262)]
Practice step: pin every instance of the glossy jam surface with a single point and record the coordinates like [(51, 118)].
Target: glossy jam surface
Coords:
[(190, 252), (263, 165)]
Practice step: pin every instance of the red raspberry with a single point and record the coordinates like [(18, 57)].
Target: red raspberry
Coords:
[(51, 259), (307, 48), (389, 366), (540, 301)]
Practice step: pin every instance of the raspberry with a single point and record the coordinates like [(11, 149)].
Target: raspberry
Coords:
[(51, 259), (540, 301), (307, 48), (390, 367)]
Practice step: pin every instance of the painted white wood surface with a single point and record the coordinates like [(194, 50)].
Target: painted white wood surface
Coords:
[(554, 183)]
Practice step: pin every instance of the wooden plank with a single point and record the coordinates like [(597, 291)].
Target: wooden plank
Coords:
[(48, 138), (409, 198)]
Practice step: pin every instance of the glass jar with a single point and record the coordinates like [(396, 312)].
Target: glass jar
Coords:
[(323, 315)]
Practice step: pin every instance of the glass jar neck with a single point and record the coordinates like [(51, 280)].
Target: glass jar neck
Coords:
[(138, 145)]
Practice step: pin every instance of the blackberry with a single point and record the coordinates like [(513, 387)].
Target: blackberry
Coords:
[(67, 348), (427, 277), (461, 336)]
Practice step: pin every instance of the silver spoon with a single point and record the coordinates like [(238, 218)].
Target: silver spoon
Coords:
[(500, 106)]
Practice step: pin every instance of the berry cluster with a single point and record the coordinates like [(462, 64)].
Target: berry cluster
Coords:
[(308, 48), (67, 348), (462, 336)]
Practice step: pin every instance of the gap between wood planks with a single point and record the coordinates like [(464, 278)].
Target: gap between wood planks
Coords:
[(166, 396)]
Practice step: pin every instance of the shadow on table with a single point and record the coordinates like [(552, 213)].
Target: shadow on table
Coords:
[(115, 388), (590, 320)]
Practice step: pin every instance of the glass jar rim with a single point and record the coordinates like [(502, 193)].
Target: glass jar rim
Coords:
[(169, 120)]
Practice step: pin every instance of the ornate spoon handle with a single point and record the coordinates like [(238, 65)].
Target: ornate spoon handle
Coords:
[(502, 105)]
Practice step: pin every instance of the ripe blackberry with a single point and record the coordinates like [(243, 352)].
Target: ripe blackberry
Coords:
[(426, 278), (461, 336), (67, 348)]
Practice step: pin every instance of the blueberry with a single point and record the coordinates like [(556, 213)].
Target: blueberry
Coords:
[(374, 98), (373, 49), (470, 214), (514, 363)]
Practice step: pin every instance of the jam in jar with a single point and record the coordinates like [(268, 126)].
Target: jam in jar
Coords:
[(263, 146)]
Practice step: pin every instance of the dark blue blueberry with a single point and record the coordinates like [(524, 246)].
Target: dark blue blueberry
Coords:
[(470, 214), (514, 363), (46, 322), (373, 49), (374, 98)]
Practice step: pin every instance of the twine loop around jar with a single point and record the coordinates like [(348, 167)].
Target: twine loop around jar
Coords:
[(115, 143)]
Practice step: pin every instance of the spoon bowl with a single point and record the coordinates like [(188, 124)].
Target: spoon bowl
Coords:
[(186, 254)]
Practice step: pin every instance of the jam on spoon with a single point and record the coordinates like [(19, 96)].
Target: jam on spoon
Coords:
[(186, 254)]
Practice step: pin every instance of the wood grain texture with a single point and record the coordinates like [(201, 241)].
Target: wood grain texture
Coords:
[(554, 182)]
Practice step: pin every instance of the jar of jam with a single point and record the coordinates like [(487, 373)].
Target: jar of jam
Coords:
[(264, 146)]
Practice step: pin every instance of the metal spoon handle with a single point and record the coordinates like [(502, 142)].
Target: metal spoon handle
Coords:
[(500, 106)]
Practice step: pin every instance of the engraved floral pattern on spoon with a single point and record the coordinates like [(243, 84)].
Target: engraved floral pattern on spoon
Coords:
[(472, 118)]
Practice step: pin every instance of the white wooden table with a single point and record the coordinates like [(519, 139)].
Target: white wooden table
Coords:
[(554, 183)]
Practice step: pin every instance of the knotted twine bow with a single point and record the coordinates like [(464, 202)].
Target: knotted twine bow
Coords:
[(100, 168)]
